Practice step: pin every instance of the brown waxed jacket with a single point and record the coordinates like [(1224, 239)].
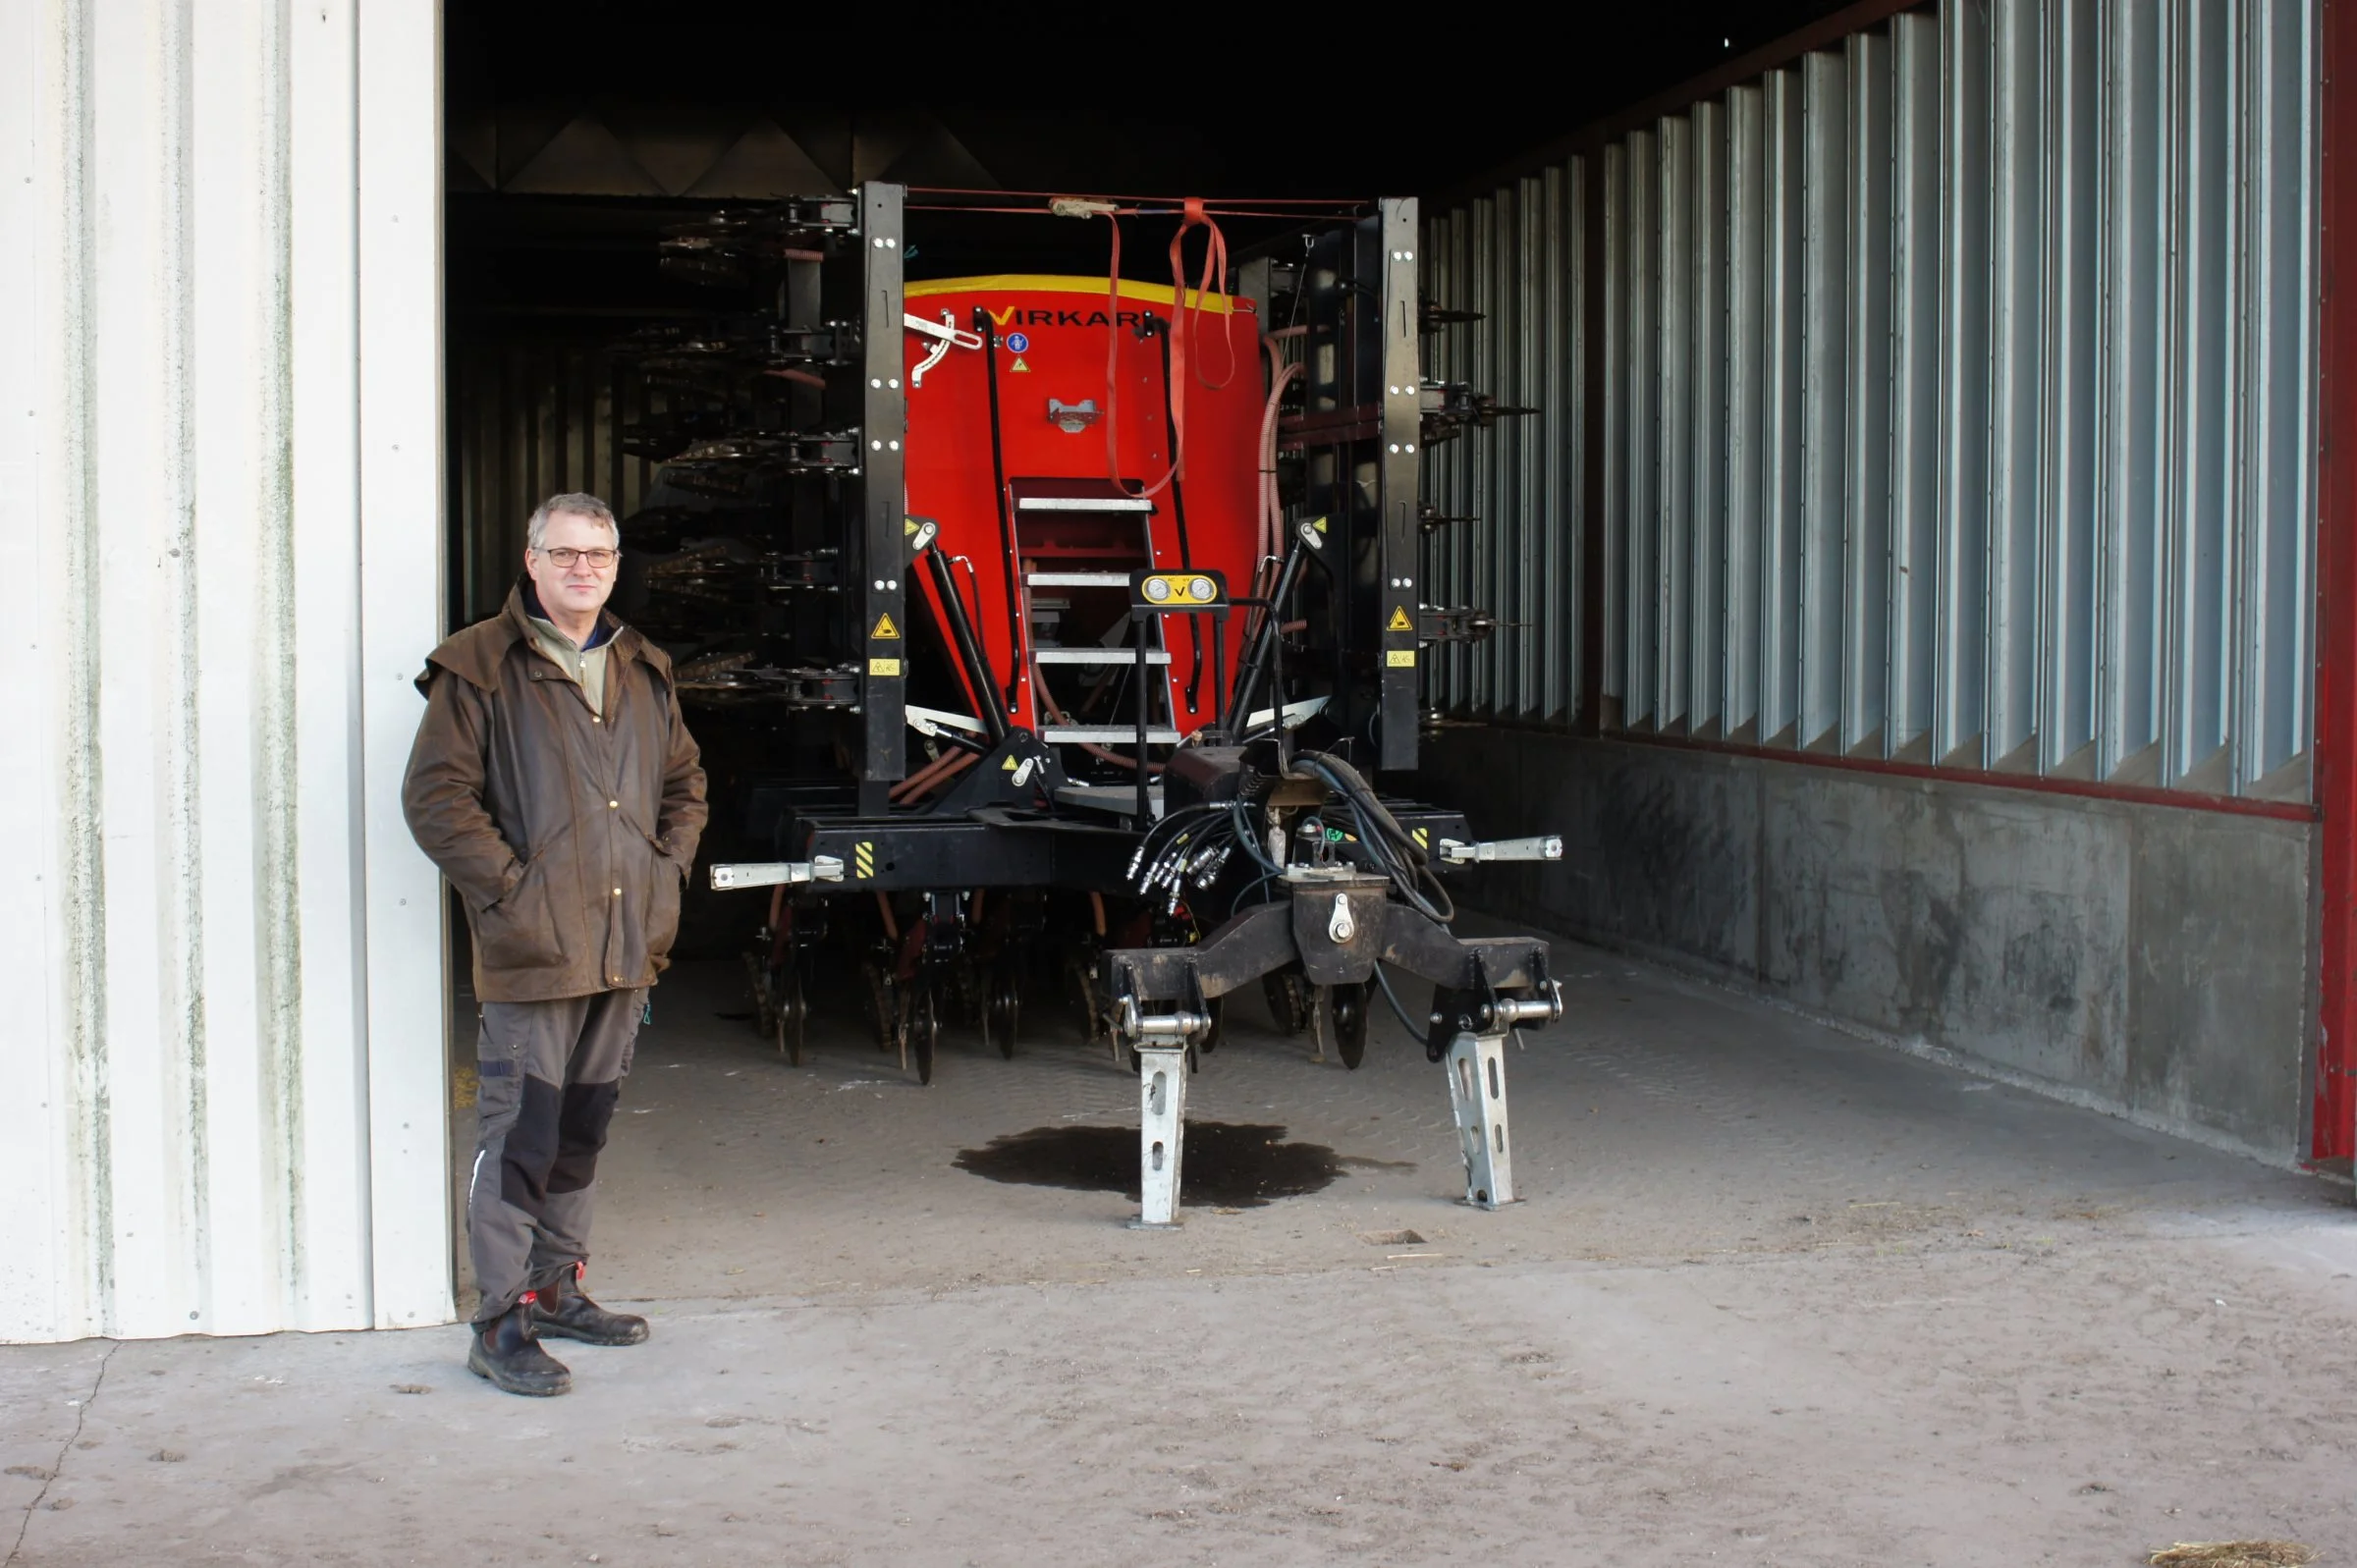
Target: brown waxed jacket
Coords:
[(568, 834)]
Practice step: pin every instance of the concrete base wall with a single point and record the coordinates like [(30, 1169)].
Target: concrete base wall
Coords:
[(2154, 959)]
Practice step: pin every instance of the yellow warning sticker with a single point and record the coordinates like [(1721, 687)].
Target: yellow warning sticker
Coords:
[(1019, 368), (1401, 659), (1400, 621), (884, 628), (864, 861), (883, 667), (1423, 838), (1009, 766)]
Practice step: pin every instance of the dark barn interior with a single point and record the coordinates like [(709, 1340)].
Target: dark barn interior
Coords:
[(576, 136)]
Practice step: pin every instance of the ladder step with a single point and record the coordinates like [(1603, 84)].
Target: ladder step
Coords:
[(1098, 655), (1077, 579), (1084, 504), (1107, 734)]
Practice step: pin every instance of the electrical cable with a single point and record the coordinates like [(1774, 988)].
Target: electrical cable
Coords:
[(1337, 208), (1018, 660), (1415, 1030), (1392, 848), (1238, 903), (1251, 839), (1169, 824)]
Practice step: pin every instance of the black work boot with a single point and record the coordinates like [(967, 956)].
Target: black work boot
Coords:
[(560, 1312), (506, 1353)]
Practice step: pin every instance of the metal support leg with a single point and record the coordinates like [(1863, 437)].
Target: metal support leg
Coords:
[(1477, 1092), (1162, 1133)]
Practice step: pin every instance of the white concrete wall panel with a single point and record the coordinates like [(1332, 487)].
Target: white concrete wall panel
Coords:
[(195, 1093), (401, 594)]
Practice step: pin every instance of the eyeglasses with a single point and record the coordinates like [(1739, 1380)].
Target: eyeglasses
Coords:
[(564, 556)]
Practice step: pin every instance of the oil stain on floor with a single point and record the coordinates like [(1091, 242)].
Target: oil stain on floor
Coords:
[(1227, 1164)]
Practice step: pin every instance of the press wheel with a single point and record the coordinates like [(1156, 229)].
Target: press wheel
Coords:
[(920, 1029), (1289, 997), (1209, 1040), (765, 1006), (793, 1013), (1347, 1010), (1002, 1011), (884, 1009), (1094, 1024)]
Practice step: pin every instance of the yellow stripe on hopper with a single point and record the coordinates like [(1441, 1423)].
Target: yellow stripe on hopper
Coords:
[(1153, 294)]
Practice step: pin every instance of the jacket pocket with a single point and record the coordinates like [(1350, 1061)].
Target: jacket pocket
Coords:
[(665, 879), (519, 932)]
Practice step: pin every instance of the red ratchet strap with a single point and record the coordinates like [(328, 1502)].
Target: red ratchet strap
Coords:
[(1185, 323)]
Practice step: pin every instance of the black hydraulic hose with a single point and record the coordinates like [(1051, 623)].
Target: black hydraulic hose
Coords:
[(969, 649), (1005, 502), (1186, 556), (1170, 426), (1393, 849), (1415, 1031), (1257, 659)]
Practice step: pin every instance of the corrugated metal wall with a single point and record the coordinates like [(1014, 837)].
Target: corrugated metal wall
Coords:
[(1514, 492), (1959, 402), (529, 420), (220, 1092)]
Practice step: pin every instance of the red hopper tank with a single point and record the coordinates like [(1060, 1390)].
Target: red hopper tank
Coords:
[(1053, 513)]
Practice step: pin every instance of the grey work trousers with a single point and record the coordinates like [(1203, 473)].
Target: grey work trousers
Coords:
[(551, 1072)]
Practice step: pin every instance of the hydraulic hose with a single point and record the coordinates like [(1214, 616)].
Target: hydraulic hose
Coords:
[(1005, 505), (1187, 554), (1272, 510), (969, 648)]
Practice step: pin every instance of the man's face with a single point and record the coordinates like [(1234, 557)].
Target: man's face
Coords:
[(579, 588)]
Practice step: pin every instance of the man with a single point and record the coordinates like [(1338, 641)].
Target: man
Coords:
[(554, 783)]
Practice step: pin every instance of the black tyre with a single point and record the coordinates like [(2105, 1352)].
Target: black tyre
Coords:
[(765, 1008), (1003, 1011), (793, 1012), (1347, 1010), (923, 1030), (884, 1006)]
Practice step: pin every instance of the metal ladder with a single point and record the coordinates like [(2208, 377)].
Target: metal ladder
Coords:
[(1110, 732)]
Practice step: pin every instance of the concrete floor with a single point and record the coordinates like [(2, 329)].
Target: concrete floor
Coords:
[(1776, 1295)]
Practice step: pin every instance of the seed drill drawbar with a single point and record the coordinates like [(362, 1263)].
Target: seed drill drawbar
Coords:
[(1125, 618)]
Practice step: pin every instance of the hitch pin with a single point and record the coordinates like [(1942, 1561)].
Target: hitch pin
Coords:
[(1548, 847), (772, 873)]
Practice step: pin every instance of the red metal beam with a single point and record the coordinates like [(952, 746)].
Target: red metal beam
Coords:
[(2335, 1135), (2035, 783)]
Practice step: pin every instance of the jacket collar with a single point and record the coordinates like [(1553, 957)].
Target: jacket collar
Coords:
[(477, 653), (608, 627)]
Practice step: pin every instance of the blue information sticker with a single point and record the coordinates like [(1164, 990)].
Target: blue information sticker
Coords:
[(1018, 342)]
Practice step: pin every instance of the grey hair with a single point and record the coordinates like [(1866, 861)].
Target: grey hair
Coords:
[(535, 532)]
